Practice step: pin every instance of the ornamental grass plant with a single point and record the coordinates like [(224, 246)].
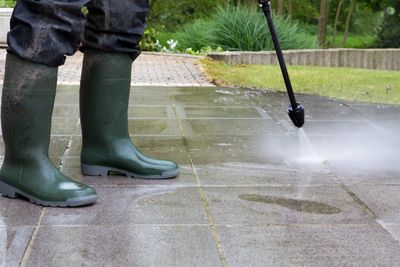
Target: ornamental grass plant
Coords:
[(235, 28)]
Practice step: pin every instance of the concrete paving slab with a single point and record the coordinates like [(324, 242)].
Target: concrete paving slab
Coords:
[(124, 246), (391, 126), (13, 243), (132, 205), (232, 127), (357, 128), (277, 152), (161, 90), (283, 205), (234, 173), (221, 112), (18, 212), (360, 159), (367, 171), (153, 127), (394, 229), (65, 111), (332, 110), (140, 99), (64, 126), (145, 112), (316, 107), (66, 89), (68, 97), (230, 149), (213, 97), (231, 174), (383, 200), (309, 245)]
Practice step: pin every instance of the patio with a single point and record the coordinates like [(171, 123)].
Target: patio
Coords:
[(251, 193)]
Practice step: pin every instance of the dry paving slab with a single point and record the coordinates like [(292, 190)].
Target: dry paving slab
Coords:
[(253, 191)]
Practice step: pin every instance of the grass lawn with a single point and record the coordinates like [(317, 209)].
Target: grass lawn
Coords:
[(341, 83)]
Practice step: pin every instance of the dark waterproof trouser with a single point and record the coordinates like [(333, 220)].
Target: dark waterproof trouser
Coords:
[(44, 31)]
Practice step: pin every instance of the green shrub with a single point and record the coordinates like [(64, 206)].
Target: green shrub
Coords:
[(388, 35), (243, 28), (196, 35), (171, 15), (150, 41)]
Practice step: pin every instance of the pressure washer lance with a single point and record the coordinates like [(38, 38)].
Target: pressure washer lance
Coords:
[(295, 110)]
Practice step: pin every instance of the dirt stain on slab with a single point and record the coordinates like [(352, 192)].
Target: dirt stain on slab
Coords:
[(294, 204)]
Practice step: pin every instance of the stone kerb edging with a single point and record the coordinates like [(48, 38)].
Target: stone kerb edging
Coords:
[(382, 59)]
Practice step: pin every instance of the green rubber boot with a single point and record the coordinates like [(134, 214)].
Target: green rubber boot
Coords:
[(26, 109), (104, 98)]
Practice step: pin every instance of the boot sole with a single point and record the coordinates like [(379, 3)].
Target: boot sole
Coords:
[(12, 192), (93, 170)]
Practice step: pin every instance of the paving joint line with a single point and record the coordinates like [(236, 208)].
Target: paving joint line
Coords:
[(28, 250), (67, 148), (385, 226), (361, 203), (203, 196)]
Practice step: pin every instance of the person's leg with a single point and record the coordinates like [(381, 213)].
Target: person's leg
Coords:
[(37, 47), (112, 36), (45, 31)]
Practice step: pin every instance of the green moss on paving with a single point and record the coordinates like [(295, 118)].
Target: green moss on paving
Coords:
[(351, 84)]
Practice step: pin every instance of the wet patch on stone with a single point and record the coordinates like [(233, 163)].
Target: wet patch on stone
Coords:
[(294, 204)]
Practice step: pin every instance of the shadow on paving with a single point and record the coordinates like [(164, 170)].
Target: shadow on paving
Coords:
[(253, 189)]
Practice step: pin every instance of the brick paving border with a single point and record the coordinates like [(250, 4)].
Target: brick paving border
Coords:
[(153, 69)]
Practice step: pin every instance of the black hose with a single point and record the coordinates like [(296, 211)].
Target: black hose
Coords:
[(266, 7), (296, 111)]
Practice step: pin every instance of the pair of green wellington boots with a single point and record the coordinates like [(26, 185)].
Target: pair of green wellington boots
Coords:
[(27, 105)]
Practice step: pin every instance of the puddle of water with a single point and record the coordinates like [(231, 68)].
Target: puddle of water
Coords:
[(293, 204)]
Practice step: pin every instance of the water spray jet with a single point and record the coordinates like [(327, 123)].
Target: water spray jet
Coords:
[(295, 110)]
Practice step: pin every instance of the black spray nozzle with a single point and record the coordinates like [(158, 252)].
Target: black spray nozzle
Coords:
[(297, 115)]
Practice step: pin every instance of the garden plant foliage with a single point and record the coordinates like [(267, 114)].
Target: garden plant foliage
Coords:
[(232, 29), (388, 35)]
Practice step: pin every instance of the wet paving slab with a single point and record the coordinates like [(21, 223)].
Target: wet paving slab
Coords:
[(253, 190), (134, 245), (383, 200), (221, 112), (231, 127), (131, 205), (14, 241), (309, 245), (252, 174), (283, 205)]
